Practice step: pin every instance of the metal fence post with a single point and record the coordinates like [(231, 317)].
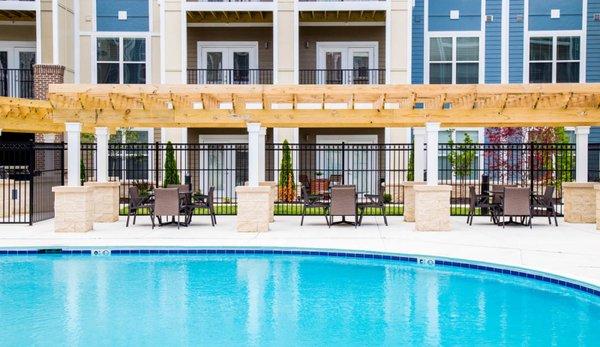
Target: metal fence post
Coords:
[(343, 162), (62, 163), (531, 170), (31, 175), (156, 163)]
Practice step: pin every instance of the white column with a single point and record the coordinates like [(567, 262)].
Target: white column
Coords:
[(581, 154), (261, 154), (419, 154), (432, 129), (102, 154), (253, 154), (73, 154)]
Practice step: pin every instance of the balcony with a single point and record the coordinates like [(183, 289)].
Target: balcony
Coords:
[(342, 76), (230, 76), (16, 83)]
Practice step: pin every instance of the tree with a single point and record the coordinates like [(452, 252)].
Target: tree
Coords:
[(410, 175), (462, 157), (287, 186), (171, 174), (82, 175)]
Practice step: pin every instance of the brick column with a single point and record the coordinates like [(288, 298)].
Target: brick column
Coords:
[(43, 76)]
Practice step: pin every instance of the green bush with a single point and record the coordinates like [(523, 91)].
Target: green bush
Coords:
[(287, 186), (171, 174)]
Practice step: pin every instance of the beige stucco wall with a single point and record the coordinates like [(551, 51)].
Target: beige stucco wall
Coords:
[(312, 35), (46, 23), (173, 42), (262, 35), (65, 39), (399, 18), (285, 42)]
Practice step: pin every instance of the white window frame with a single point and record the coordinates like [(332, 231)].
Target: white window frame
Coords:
[(347, 48), (554, 35), (480, 139), (454, 35), (13, 48), (226, 47), (121, 36)]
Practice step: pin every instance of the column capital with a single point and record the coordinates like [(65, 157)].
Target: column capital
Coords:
[(102, 131), (419, 131), (582, 130), (432, 126), (73, 126), (253, 127)]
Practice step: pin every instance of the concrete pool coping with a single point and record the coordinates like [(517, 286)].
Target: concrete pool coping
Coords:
[(571, 251)]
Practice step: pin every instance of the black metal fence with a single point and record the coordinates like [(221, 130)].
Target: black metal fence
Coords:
[(320, 166), (220, 165), (28, 171), (522, 164), (342, 76), (16, 83), (230, 76), (594, 162)]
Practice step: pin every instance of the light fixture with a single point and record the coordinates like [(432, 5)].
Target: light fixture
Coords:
[(266, 44), (306, 44)]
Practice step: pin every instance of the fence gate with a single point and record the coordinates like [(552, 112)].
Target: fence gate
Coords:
[(28, 171)]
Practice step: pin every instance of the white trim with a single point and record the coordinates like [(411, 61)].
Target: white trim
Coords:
[(454, 36), (409, 61), (184, 48), (121, 36), (525, 77), (505, 40), (388, 42), (275, 45), (16, 5), (583, 44), (38, 33), (342, 6), (296, 47), (55, 41), (76, 44), (161, 19), (554, 34), (425, 41), (482, 45)]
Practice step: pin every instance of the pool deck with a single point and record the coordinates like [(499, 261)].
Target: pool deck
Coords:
[(571, 250)]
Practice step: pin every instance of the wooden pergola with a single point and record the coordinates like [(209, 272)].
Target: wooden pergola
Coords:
[(337, 106)]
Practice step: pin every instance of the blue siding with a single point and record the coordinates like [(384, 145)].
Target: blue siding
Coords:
[(439, 15), (593, 43), (107, 15), (417, 42), (493, 42), (570, 14), (515, 44)]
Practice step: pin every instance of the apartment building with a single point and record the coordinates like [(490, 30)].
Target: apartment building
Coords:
[(300, 42)]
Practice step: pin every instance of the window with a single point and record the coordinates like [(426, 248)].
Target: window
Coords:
[(454, 60), (554, 59), (132, 160), (446, 169), (121, 60)]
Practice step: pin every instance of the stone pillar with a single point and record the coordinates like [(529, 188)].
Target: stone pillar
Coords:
[(581, 155), (579, 200), (253, 154), (432, 129), (273, 186), (409, 200), (73, 209), (43, 76), (105, 201), (253, 211), (419, 154), (73, 154), (102, 154), (432, 208)]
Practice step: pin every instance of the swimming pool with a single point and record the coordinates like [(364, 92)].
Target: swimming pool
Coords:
[(242, 299)]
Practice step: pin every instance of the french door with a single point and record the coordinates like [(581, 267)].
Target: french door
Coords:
[(221, 63), (223, 164), (346, 63), (16, 71)]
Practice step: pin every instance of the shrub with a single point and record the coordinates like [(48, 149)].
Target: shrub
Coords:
[(171, 174), (287, 187)]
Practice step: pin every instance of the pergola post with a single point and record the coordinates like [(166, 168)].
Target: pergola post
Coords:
[(105, 193), (419, 154), (262, 134), (432, 129), (581, 154), (254, 205), (73, 154), (432, 201)]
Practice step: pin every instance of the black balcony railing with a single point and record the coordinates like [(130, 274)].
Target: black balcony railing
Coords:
[(230, 76), (16, 83), (342, 76)]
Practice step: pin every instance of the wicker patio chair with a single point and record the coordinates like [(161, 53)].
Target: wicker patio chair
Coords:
[(203, 201), (167, 202), (313, 201), (479, 201), (136, 203), (343, 203), (374, 201), (545, 203), (517, 203)]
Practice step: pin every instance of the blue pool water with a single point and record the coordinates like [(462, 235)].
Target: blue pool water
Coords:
[(280, 300)]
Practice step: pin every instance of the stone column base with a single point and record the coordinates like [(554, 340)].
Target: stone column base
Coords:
[(579, 200), (253, 209), (409, 200), (106, 201), (432, 208), (73, 209), (273, 186)]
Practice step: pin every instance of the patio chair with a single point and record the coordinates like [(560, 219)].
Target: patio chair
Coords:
[(479, 201), (204, 201), (168, 203), (136, 203), (313, 201), (304, 181), (517, 203), (374, 201), (545, 202), (343, 203), (335, 180)]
